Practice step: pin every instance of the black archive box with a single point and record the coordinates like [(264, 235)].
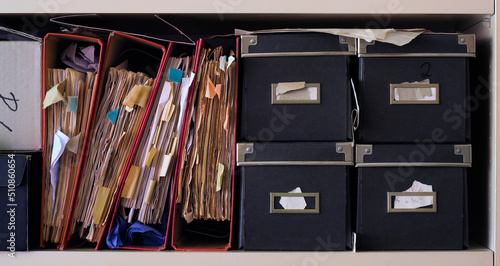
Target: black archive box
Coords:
[(296, 87), (19, 219), (410, 93), (272, 218), (412, 197)]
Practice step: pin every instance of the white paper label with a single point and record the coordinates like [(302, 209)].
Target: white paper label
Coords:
[(414, 202), (293, 203)]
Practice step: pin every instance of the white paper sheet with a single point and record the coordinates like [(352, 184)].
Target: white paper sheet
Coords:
[(186, 83), (60, 141)]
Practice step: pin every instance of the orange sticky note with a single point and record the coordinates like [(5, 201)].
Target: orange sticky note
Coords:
[(226, 122), (210, 91), (218, 87), (130, 183)]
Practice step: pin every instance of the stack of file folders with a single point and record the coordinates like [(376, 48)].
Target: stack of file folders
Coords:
[(135, 140), (203, 199)]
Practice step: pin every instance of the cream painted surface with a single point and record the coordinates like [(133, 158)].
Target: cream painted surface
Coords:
[(252, 6), (471, 257)]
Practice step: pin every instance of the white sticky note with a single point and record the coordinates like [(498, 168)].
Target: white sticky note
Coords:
[(230, 60), (414, 202), (293, 203), (186, 83), (165, 165)]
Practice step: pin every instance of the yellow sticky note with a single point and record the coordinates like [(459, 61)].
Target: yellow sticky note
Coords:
[(210, 90), (220, 172), (100, 203), (73, 143), (150, 156), (166, 110), (149, 192), (174, 145), (132, 97), (130, 183), (170, 112), (55, 94), (144, 96), (139, 95)]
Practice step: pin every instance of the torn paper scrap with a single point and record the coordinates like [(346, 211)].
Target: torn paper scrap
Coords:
[(73, 143), (55, 94), (398, 37), (122, 65), (88, 53), (305, 94), (60, 141), (414, 202), (293, 203), (81, 59), (296, 91), (412, 94), (284, 87), (409, 93)]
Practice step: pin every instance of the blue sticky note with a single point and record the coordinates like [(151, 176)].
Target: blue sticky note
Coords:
[(175, 75), (113, 115), (73, 103), (222, 62)]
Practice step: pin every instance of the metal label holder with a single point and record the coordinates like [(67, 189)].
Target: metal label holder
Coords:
[(273, 210), (390, 207)]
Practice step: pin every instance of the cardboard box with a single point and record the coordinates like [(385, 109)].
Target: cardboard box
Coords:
[(316, 216), (296, 87), (411, 198), (413, 92), (20, 105)]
